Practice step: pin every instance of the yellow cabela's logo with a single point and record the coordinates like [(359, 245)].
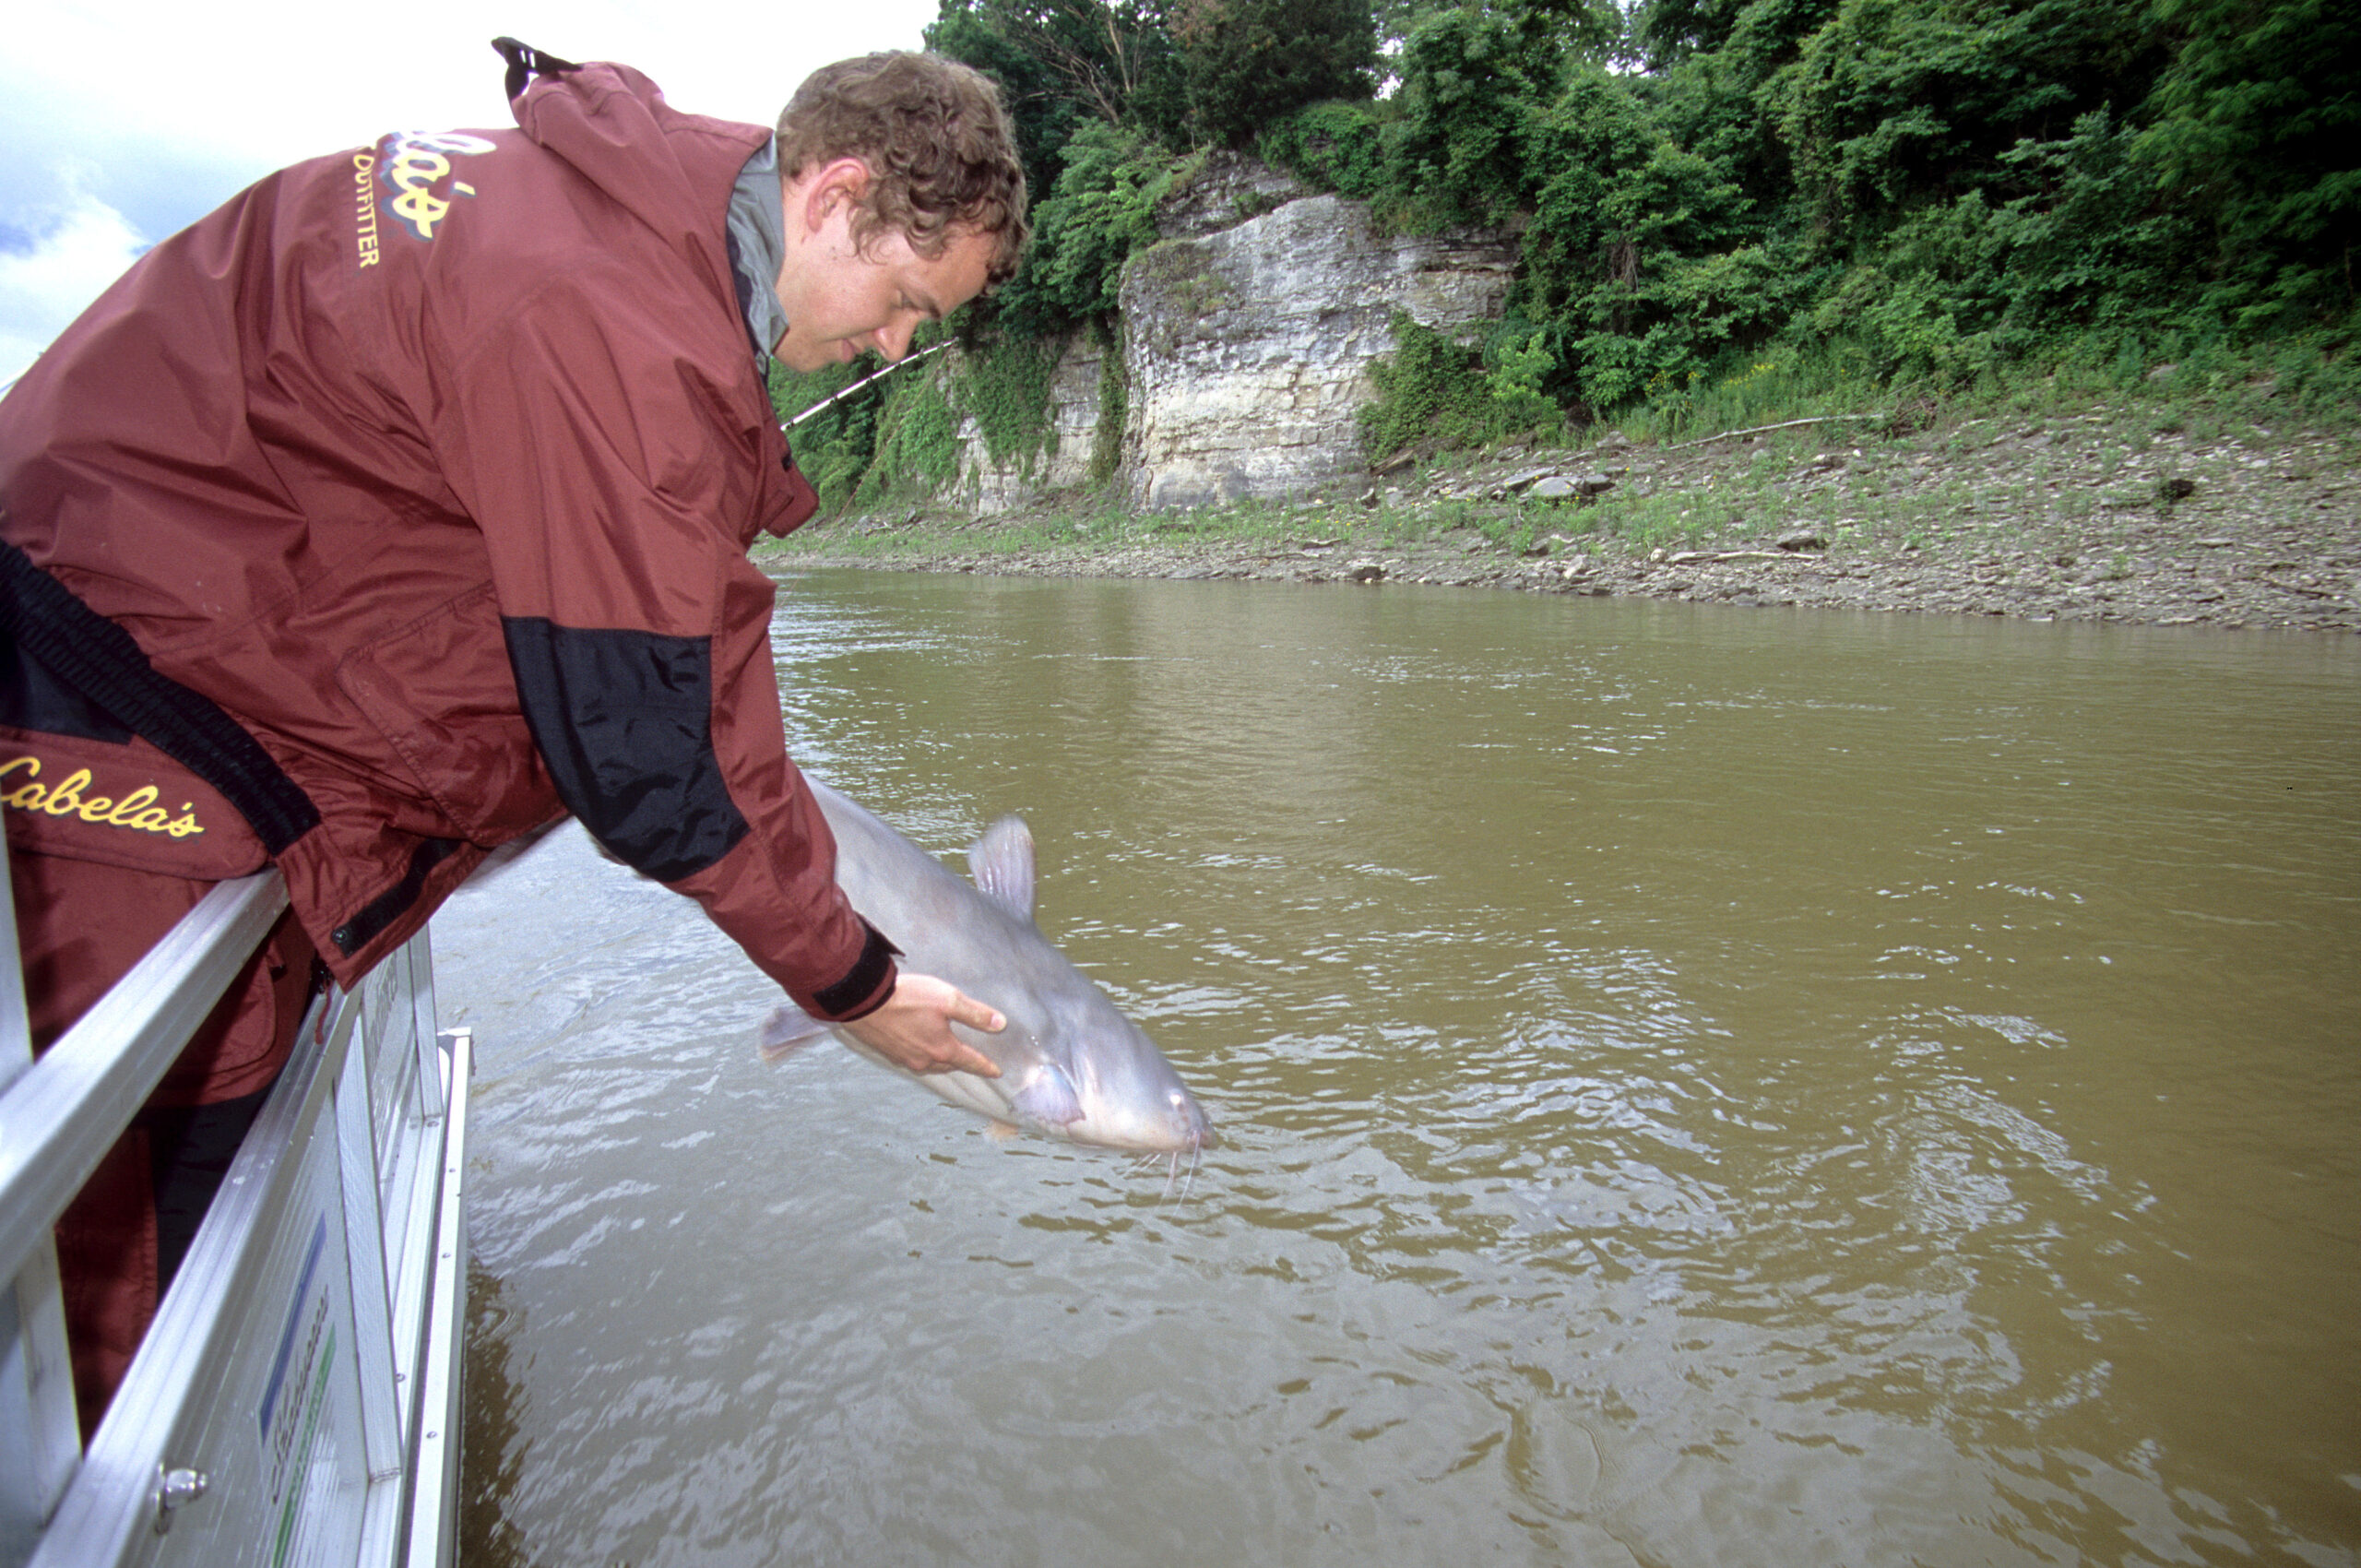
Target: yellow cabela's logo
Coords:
[(136, 811), (411, 166)]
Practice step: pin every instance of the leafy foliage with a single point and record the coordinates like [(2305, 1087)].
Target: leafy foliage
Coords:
[(1472, 80), (2255, 128), (833, 447), (1114, 407), (1062, 64), (1337, 147), (917, 441), (1246, 63), (1895, 101), (1102, 210), (1907, 193), (1444, 394), (1005, 390)]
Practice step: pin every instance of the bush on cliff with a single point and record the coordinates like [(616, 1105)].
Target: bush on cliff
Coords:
[(1102, 210), (1434, 391)]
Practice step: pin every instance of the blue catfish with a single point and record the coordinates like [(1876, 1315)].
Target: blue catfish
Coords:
[(1071, 1065)]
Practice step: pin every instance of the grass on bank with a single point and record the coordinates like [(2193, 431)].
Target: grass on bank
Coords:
[(2121, 414)]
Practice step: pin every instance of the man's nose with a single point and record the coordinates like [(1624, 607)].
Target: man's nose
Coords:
[(894, 339)]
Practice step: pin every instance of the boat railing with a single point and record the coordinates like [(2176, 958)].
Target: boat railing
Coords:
[(296, 1398)]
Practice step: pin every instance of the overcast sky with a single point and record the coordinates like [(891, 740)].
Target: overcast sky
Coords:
[(125, 121)]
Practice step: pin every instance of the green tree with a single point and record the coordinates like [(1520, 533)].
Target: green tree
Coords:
[(1669, 31), (1916, 189), (1894, 102), (1248, 63), (1472, 80), (1062, 64), (2257, 133), (1102, 210), (1642, 257)]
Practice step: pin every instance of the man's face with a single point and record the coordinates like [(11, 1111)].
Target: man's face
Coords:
[(840, 299)]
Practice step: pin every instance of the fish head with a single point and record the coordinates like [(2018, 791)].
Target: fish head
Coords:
[(1073, 1066)]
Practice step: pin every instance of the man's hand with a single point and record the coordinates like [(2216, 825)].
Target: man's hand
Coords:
[(913, 1030)]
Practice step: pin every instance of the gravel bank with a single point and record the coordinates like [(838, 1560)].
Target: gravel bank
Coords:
[(2095, 517)]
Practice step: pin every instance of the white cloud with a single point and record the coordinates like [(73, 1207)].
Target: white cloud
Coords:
[(263, 83), (130, 119), (69, 264)]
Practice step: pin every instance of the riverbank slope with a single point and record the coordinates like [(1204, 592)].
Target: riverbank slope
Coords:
[(2153, 515)]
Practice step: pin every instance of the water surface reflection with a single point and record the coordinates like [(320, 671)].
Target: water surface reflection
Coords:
[(1696, 1086)]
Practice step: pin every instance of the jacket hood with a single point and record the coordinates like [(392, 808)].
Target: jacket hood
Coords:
[(671, 170)]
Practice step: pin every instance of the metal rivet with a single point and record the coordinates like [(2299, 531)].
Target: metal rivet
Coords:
[(176, 1489)]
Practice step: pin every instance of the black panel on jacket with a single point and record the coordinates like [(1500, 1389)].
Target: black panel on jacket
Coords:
[(32, 698), (624, 721)]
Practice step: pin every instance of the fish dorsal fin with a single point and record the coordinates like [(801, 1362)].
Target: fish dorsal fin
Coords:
[(786, 1031), (1001, 863)]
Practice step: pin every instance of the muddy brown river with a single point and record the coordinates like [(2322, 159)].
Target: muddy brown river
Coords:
[(1697, 1087)]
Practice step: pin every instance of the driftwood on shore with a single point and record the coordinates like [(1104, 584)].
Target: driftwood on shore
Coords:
[(1761, 429)]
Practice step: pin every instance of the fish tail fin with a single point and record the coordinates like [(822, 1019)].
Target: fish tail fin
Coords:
[(786, 1031)]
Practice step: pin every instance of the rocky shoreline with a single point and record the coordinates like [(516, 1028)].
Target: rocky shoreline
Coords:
[(2095, 517)]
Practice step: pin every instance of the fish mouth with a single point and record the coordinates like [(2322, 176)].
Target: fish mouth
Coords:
[(1185, 1133), (1193, 1142), (1201, 1127), (1134, 1143), (1192, 1134)]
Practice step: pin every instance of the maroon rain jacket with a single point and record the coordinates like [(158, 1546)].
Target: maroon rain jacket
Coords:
[(434, 464)]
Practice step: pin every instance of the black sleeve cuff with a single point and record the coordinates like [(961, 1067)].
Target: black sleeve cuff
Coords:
[(865, 986)]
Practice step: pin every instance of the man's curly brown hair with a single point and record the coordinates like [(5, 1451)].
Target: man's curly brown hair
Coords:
[(942, 157)]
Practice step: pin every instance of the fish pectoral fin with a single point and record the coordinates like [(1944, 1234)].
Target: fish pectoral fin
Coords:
[(1046, 1096), (786, 1031), (1001, 863)]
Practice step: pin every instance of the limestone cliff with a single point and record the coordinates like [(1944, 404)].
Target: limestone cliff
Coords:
[(1246, 335)]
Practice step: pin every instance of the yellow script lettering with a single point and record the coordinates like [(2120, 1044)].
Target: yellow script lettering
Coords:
[(413, 173), (122, 815), (66, 798), (136, 811), (421, 210)]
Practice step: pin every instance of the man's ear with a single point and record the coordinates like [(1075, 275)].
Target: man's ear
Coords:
[(843, 184)]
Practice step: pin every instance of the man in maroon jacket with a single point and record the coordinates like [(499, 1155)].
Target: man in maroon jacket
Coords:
[(401, 506)]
